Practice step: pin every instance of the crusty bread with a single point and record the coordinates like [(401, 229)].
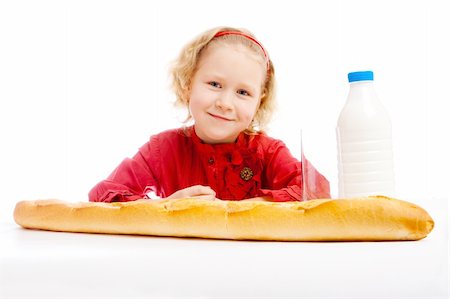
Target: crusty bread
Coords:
[(359, 219)]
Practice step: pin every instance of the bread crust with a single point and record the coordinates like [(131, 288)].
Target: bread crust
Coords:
[(376, 218)]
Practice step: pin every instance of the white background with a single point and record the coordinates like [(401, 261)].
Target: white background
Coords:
[(83, 84)]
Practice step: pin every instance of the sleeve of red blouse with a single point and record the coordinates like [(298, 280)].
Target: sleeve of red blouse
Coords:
[(283, 177), (131, 180)]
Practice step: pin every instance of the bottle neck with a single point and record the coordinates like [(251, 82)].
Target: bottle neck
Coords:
[(361, 91), (361, 84)]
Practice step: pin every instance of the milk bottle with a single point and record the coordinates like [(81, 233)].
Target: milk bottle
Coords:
[(364, 138)]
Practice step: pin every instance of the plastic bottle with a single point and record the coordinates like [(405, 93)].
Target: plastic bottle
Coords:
[(364, 137)]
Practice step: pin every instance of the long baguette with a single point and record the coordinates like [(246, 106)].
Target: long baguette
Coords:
[(360, 219)]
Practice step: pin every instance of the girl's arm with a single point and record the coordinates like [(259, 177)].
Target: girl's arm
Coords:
[(134, 178), (131, 180), (284, 177)]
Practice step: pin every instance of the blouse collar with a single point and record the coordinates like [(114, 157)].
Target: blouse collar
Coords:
[(203, 147), (240, 141)]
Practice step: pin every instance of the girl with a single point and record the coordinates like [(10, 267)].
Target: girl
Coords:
[(226, 80)]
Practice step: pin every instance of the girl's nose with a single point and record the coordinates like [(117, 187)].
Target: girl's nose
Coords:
[(225, 100)]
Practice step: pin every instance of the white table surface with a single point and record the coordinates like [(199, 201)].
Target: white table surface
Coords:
[(41, 264)]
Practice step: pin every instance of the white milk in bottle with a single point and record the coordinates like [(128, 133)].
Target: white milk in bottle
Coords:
[(364, 137)]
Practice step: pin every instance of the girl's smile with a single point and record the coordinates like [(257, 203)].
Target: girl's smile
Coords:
[(219, 117)]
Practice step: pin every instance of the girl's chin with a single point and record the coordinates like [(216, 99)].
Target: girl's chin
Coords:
[(214, 137)]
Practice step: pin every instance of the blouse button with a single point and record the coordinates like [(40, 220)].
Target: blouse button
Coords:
[(246, 173), (211, 160)]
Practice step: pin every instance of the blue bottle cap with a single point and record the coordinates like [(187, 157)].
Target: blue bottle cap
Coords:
[(360, 76)]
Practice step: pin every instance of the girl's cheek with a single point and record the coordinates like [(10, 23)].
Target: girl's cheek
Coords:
[(249, 112)]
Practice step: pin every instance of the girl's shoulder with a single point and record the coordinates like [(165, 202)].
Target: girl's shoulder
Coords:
[(165, 140), (263, 138), (171, 135), (265, 142)]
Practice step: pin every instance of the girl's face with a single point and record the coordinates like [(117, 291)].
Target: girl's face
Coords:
[(225, 92)]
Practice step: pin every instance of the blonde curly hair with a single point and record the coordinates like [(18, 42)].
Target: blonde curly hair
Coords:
[(184, 67)]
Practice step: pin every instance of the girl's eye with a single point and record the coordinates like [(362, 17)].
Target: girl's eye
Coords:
[(214, 84), (243, 92)]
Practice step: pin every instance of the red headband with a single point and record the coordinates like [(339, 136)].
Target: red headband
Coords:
[(222, 33)]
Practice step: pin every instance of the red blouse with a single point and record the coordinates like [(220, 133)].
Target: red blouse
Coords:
[(255, 165)]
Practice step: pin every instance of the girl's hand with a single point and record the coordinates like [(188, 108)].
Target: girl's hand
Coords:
[(204, 192)]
